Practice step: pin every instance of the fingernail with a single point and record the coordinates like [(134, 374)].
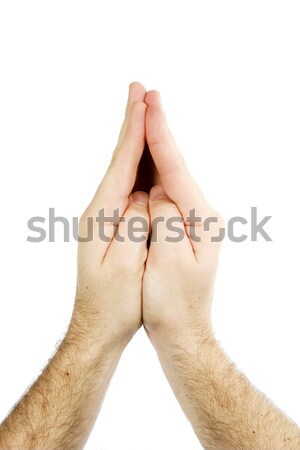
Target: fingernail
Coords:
[(141, 198), (158, 193)]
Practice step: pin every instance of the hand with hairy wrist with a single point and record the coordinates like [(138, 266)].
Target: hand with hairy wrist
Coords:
[(59, 410), (181, 266), (111, 268), (225, 410)]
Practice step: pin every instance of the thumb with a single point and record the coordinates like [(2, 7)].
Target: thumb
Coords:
[(168, 234)]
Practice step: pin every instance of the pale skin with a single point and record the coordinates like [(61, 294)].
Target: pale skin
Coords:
[(168, 288)]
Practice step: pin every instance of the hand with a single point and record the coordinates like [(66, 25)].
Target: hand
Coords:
[(179, 278), (109, 284)]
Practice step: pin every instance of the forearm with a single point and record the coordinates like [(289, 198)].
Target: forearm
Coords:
[(59, 410), (226, 411)]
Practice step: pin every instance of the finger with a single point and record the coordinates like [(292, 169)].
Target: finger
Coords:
[(136, 93), (159, 138), (128, 150), (153, 97), (174, 174), (122, 170), (168, 234), (119, 179), (177, 181), (111, 197), (128, 248)]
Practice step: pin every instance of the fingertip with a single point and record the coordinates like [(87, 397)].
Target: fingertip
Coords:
[(137, 91), (153, 97)]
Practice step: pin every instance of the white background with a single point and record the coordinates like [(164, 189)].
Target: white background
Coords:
[(229, 73)]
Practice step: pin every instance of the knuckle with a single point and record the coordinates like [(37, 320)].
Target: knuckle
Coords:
[(123, 267), (219, 221)]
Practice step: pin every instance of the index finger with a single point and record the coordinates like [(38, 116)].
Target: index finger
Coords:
[(175, 177), (119, 179), (112, 196)]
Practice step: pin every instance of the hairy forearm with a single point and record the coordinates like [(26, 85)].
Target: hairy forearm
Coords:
[(60, 408), (226, 411)]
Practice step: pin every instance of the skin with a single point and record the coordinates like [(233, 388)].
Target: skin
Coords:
[(59, 410), (167, 287), (225, 410)]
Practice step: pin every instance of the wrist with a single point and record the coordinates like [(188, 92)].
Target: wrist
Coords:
[(172, 340), (90, 332), (186, 353), (173, 333)]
